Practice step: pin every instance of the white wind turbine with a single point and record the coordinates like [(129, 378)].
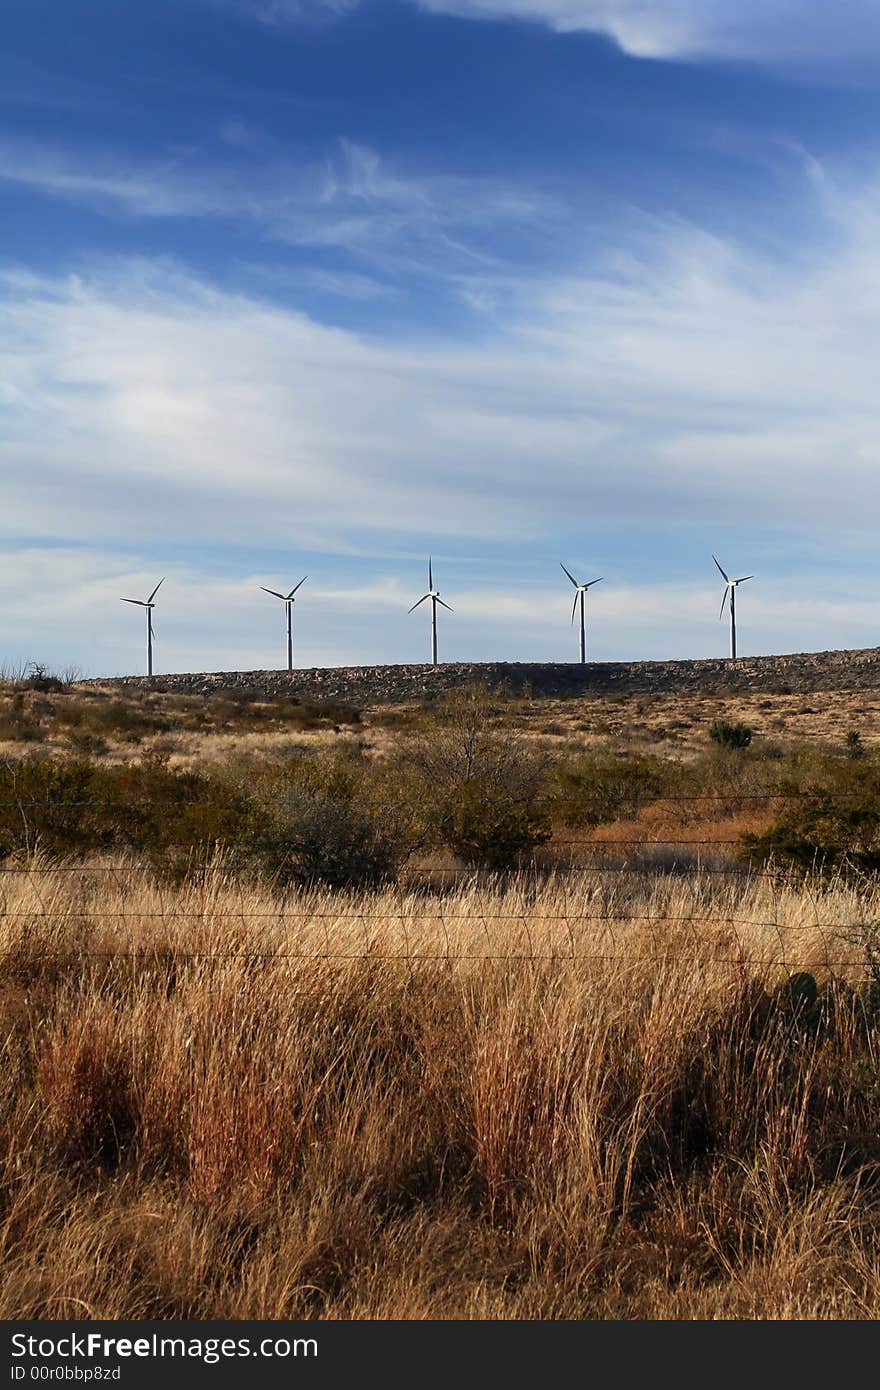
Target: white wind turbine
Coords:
[(288, 601), (730, 594), (434, 595), (580, 596), (149, 605)]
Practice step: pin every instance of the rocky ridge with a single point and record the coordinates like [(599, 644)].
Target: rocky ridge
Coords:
[(384, 685)]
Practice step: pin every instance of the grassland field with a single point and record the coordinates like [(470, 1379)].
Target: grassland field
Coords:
[(495, 1008)]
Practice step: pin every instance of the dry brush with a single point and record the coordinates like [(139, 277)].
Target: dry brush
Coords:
[(590, 1095)]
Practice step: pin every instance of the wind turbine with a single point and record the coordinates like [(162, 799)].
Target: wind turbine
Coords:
[(434, 595), (287, 600), (730, 592), (149, 605), (580, 595)]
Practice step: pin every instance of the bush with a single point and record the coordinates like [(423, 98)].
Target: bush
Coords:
[(599, 789), (479, 791), (38, 678), (308, 836), (853, 744), (832, 828), (74, 807), (318, 818), (19, 723), (44, 804), (493, 834), (730, 735)]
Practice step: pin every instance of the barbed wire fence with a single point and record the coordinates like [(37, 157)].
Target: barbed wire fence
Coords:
[(426, 902)]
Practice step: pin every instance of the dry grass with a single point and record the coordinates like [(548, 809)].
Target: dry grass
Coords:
[(113, 723), (589, 1096), (676, 724)]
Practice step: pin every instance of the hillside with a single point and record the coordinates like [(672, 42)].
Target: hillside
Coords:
[(322, 1000), (797, 673)]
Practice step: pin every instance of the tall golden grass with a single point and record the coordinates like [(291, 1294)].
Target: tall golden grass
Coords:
[(586, 1096)]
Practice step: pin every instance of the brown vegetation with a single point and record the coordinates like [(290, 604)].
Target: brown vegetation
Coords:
[(601, 1098), (279, 1041)]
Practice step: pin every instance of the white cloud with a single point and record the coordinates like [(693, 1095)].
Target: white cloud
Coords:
[(690, 381), (216, 417), (763, 30), (808, 33), (62, 608)]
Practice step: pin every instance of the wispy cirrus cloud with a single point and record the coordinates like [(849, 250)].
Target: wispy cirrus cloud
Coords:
[(688, 381), (686, 376), (278, 12), (351, 200)]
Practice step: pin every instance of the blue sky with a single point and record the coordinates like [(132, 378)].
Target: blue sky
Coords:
[(321, 288)]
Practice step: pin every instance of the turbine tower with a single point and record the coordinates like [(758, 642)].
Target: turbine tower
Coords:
[(149, 605), (434, 595), (730, 593), (580, 595), (287, 600)]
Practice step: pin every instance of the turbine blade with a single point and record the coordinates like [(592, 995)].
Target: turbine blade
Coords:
[(296, 586), (415, 605), (445, 605), (139, 601), (570, 575), (724, 576), (723, 601), (430, 575), (592, 582), (156, 590), (274, 592), (744, 578), (574, 604)]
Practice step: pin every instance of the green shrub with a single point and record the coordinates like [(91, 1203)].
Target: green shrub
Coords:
[(322, 818), (173, 817), (730, 735), (832, 828), (477, 790), (45, 804), (595, 790), (490, 833), (71, 807), (853, 744), (19, 723), (312, 837)]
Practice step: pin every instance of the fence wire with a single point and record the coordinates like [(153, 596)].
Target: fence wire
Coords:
[(405, 925)]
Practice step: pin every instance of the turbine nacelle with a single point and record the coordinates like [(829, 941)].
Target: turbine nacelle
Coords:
[(433, 594), (145, 603), (581, 588), (285, 598)]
